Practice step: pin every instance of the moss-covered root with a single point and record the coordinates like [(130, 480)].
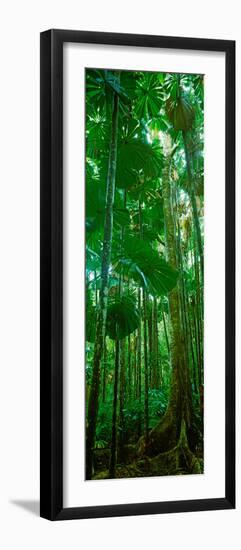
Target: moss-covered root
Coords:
[(178, 459), (186, 457)]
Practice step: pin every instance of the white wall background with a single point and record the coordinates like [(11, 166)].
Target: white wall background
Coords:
[(21, 23)]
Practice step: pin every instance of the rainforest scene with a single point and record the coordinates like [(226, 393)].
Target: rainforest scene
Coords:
[(144, 195)]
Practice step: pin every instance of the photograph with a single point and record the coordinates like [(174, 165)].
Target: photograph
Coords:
[(137, 274), (144, 282)]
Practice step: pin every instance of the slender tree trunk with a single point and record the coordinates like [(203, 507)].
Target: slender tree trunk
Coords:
[(145, 344), (165, 329), (157, 354), (195, 360), (194, 203), (179, 368), (104, 373), (151, 344), (112, 467), (135, 379), (199, 310), (122, 366), (146, 404), (122, 398), (139, 361), (101, 318), (129, 365), (96, 290), (139, 350)]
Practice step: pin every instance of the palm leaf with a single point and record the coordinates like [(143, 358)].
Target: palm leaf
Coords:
[(140, 262), (122, 318), (180, 112), (136, 157), (149, 95)]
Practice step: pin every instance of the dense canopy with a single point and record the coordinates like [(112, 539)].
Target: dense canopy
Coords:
[(144, 273)]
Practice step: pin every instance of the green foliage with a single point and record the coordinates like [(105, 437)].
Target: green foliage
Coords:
[(154, 109), (144, 265), (134, 413), (133, 416), (97, 134), (158, 399), (103, 432), (149, 96), (180, 113), (91, 316), (95, 206), (100, 85), (122, 317), (137, 159), (92, 259)]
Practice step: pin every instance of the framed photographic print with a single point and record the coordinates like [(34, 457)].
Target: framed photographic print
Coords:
[(137, 274)]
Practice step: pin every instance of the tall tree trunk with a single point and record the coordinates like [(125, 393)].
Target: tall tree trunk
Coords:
[(145, 349), (122, 364), (135, 377), (151, 344), (104, 373), (112, 467), (139, 331), (167, 432), (146, 404), (96, 290), (101, 318), (139, 346), (183, 294), (193, 202), (122, 398), (165, 328), (129, 364), (157, 354)]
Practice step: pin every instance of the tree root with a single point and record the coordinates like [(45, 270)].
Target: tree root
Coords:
[(177, 461), (163, 437)]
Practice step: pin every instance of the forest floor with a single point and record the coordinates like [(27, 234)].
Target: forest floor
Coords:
[(177, 461)]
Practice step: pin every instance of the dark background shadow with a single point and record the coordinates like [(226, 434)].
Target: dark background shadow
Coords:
[(32, 506)]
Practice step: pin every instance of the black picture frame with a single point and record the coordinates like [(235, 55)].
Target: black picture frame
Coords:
[(51, 324)]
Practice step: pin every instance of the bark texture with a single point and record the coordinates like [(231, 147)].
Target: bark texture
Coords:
[(165, 435)]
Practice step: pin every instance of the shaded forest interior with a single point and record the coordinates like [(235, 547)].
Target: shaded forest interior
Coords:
[(144, 273)]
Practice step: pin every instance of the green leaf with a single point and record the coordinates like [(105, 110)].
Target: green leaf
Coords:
[(149, 95), (92, 258), (122, 318), (143, 264), (95, 206), (97, 132), (180, 112), (136, 158), (121, 216), (100, 86)]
